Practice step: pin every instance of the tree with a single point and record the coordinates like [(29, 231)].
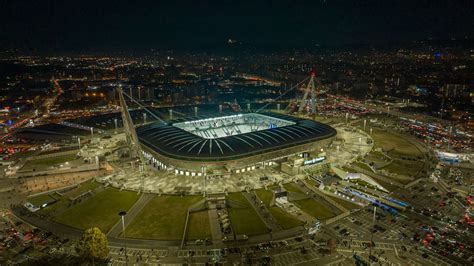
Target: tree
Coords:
[(93, 245)]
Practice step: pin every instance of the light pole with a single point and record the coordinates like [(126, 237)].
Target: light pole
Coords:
[(203, 172), (372, 235), (450, 132), (122, 217), (360, 145)]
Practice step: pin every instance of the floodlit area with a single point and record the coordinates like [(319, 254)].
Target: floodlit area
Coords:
[(218, 127)]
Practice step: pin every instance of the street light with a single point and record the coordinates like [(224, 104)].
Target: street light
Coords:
[(122, 216), (203, 172), (116, 125), (372, 231)]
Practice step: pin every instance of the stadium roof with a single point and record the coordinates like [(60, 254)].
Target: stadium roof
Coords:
[(177, 143)]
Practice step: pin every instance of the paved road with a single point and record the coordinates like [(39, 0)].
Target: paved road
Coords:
[(215, 226)]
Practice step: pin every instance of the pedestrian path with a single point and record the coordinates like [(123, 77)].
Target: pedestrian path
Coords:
[(262, 211), (116, 230)]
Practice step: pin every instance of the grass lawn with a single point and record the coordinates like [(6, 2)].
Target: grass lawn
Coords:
[(310, 206), (55, 206), (387, 185), (315, 209), (51, 161), (346, 204), (164, 218), (285, 219), (406, 167), (101, 210), (292, 188), (245, 220), (384, 184), (363, 183), (64, 199), (379, 155), (40, 199), (363, 166), (199, 226), (387, 141), (83, 187)]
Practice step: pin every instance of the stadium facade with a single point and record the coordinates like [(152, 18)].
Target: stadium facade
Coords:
[(223, 144)]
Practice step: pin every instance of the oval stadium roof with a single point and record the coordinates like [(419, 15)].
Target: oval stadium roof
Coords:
[(178, 143)]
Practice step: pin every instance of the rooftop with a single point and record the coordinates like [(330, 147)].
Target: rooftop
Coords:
[(181, 140)]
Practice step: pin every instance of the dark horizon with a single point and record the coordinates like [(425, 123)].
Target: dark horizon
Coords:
[(49, 26)]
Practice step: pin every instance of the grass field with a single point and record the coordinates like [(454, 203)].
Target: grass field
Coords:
[(199, 226), (101, 210), (292, 188), (388, 141), (363, 166), (310, 206), (346, 204), (407, 158), (40, 199), (50, 161), (401, 150), (64, 199), (164, 218), (363, 183), (406, 167), (379, 155), (285, 219), (245, 220), (315, 209)]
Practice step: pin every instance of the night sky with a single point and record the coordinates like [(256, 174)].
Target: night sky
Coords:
[(106, 25)]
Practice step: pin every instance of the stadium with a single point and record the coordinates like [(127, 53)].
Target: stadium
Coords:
[(224, 144)]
